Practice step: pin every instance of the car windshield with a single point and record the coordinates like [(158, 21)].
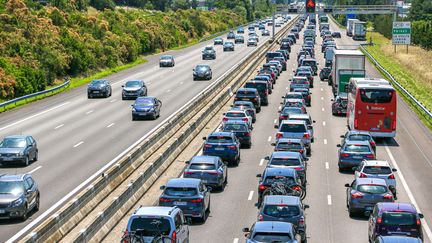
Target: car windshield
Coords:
[(180, 191), (133, 84), (150, 226), (272, 179), (304, 74), (208, 48), (202, 68), (284, 161), (98, 82), (372, 189), (292, 110), (246, 93), (272, 237), (219, 139), (142, 102), (235, 127), (281, 211), (258, 86), (359, 137), (165, 58), (202, 166), (293, 104), (235, 114), (377, 170), (357, 148), (376, 95), (399, 218), (294, 96), (11, 187), (13, 143)]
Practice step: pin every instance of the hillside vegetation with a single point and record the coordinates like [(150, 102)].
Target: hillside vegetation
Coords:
[(38, 46)]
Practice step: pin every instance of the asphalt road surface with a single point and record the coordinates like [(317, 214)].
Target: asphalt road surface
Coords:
[(77, 136)]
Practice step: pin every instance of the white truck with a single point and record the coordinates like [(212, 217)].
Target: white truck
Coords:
[(346, 64), (350, 26), (359, 31)]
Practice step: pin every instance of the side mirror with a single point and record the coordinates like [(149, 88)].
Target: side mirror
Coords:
[(122, 86), (223, 113), (162, 187), (338, 146), (306, 159), (245, 230), (281, 103), (276, 126), (258, 175), (132, 105), (187, 162), (267, 158), (283, 97), (342, 136), (314, 121), (273, 144), (306, 206), (421, 215), (347, 185), (394, 170), (279, 111), (204, 138)]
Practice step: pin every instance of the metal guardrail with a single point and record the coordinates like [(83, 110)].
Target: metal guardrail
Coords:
[(29, 96), (143, 149), (419, 105)]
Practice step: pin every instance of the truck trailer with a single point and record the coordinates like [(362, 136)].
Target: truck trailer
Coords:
[(359, 31), (346, 64), (350, 26)]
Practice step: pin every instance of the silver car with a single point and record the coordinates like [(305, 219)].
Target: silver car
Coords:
[(18, 148), (211, 170), (293, 160), (270, 231), (166, 61), (307, 118), (19, 195), (377, 169)]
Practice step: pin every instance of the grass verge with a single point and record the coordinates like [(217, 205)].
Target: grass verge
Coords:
[(411, 70)]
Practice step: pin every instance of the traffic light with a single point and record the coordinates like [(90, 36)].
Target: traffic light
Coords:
[(310, 6)]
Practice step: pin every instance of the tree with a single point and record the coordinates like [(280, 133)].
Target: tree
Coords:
[(102, 4), (421, 10)]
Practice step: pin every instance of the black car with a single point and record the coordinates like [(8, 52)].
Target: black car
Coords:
[(231, 35), (209, 53), (285, 53), (249, 94), (239, 39), (202, 71), (292, 37), (241, 130), (146, 107), (133, 89), (311, 63), (285, 46), (262, 87), (339, 105), (218, 41), (336, 34), (306, 95), (271, 55), (325, 73), (228, 46), (99, 88)]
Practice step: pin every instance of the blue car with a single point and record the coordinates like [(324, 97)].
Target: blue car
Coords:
[(223, 144), (240, 30), (146, 107)]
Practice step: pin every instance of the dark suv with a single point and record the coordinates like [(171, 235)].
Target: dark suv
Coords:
[(133, 89), (99, 88), (18, 148), (241, 130), (209, 53), (262, 87), (339, 105), (20, 195), (249, 94), (223, 144)]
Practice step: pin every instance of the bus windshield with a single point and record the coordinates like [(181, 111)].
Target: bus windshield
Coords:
[(376, 95)]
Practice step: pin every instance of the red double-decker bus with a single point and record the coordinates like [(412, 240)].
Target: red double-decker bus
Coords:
[(372, 106)]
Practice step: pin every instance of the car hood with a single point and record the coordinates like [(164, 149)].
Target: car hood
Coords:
[(96, 86), (131, 88), (201, 70), (8, 198), (208, 52), (11, 150)]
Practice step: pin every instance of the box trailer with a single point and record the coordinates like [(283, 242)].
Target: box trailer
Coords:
[(346, 64)]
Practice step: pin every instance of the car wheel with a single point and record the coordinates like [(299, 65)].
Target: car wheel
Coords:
[(351, 213), (340, 170), (24, 216), (89, 96), (123, 98), (249, 145), (226, 179), (238, 161), (36, 156), (26, 161), (154, 116), (37, 204), (133, 118)]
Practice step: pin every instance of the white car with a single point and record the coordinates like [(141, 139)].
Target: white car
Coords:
[(377, 169), (237, 114)]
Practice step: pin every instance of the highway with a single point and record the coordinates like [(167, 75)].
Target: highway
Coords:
[(77, 136)]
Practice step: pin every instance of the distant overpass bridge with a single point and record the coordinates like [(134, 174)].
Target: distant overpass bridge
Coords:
[(343, 9)]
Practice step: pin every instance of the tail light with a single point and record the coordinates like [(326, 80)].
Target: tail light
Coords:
[(245, 119), (196, 200), (279, 135), (296, 188), (308, 96), (355, 123), (126, 233), (254, 98), (188, 173), (391, 177), (301, 151), (213, 173), (283, 117), (232, 147), (225, 119), (164, 199), (306, 135), (418, 222), (357, 195), (260, 217), (247, 134), (363, 175), (262, 187), (372, 143), (297, 168), (266, 92), (388, 196), (394, 124), (345, 155), (207, 146), (174, 236), (379, 220), (370, 156), (302, 221)]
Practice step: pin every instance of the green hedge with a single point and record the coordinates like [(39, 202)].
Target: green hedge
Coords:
[(422, 34)]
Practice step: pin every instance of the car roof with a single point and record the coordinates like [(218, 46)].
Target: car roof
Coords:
[(372, 181), (293, 100), (257, 81), (226, 134), (273, 226), (9, 177), (280, 199), (299, 77), (204, 159), (285, 154), (358, 132), (283, 171), (300, 116), (155, 210), (183, 182), (293, 122), (236, 122), (297, 93), (236, 110), (395, 206), (17, 136), (202, 65), (376, 163)]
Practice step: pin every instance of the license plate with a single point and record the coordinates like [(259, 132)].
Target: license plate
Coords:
[(357, 157), (180, 203), (204, 181), (219, 149), (96, 92), (7, 159), (2, 211)]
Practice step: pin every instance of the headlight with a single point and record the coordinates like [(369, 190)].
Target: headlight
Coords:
[(194, 72), (133, 109), (21, 153), (17, 202)]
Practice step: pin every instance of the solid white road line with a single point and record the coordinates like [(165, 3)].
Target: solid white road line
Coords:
[(57, 127), (329, 200), (110, 125), (269, 139), (325, 141), (261, 162), (33, 116), (88, 112), (236, 240), (327, 165), (408, 191), (35, 169), (324, 123), (78, 144), (250, 195)]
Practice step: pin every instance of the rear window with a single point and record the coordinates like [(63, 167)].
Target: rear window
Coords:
[(372, 189), (149, 226), (246, 93), (202, 166), (281, 211), (376, 95), (273, 54), (293, 128), (359, 137), (288, 146), (294, 96), (357, 148), (219, 139), (293, 104), (292, 110), (285, 162), (180, 191), (308, 122), (271, 237), (272, 179), (399, 218), (258, 86), (299, 81), (235, 127), (235, 114), (377, 170)]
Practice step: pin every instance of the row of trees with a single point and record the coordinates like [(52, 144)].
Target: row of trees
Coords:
[(40, 45)]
